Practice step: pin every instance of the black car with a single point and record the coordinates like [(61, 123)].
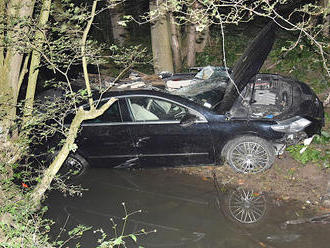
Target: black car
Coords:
[(239, 115)]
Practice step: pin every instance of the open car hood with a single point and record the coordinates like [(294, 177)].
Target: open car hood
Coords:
[(248, 66)]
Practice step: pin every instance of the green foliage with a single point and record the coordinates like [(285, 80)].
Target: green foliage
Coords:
[(120, 237), (212, 54), (134, 54), (286, 58), (298, 61), (310, 155), (318, 152), (20, 225)]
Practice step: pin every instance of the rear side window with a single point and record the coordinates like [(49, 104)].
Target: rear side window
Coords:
[(112, 114)]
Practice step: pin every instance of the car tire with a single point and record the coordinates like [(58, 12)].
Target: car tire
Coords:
[(74, 166), (249, 154)]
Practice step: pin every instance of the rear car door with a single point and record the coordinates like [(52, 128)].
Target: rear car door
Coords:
[(106, 141), (159, 137)]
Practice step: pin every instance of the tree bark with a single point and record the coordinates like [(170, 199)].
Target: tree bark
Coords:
[(175, 44), (10, 58), (35, 58), (191, 46), (202, 40), (119, 32), (326, 17), (160, 39)]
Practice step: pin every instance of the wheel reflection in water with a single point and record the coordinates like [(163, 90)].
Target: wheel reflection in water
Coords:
[(246, 206)]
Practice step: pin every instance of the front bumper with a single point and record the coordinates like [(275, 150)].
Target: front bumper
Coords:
[(289, 140)]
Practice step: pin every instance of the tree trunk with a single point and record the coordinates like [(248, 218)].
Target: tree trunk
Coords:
[(191, 46), (327, 100), (202, 40), (10, 59), (35, 58), (176, 47), (16, 9), (160, 39), (119, 32), (326, 17)]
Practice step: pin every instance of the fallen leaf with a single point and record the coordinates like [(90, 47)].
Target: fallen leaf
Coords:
[(241, 181)]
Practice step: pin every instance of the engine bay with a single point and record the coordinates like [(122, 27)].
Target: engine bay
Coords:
[(266, 96)]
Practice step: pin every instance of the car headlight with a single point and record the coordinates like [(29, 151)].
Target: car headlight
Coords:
[(292, 125)]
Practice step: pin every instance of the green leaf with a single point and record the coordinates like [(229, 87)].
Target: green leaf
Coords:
[(133, 237), (325, 134), (118, 241)]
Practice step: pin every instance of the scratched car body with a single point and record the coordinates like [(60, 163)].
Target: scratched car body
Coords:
[(240, 116)]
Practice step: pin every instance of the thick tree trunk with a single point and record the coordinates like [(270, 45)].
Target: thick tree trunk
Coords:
[(13, 58), (10, 59), (191, 46), (160, 39), (202, 40), (119, 32), (35, 58), (326, 24), (175, 42)]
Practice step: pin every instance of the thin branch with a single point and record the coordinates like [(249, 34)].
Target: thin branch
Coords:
[(84, 59)]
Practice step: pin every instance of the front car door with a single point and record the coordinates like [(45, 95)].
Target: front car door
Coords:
[(106, 141), (159, 137)]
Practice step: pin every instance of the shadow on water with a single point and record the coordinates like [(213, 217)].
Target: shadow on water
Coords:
[(185, 211)]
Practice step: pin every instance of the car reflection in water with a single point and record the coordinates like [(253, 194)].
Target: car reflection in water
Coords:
[(185, 211)]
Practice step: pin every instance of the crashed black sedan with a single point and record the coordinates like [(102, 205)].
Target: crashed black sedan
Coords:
[(239, 116)]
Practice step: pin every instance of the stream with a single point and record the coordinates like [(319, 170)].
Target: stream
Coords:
[(184, 210)]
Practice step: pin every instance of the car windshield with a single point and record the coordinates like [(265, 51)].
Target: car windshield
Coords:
[(208, 92)]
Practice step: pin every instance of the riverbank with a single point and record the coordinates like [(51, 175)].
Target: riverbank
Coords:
[(287, 180)]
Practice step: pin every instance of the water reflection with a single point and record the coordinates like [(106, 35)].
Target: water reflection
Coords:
[(185, 211)]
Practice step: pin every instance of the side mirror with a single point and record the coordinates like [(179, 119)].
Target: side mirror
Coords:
[(188, 120)]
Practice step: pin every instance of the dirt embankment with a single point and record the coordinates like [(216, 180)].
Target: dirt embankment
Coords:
[(286, 180)]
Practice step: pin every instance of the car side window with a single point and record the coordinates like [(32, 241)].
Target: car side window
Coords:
[(154, 109), (112, 114)]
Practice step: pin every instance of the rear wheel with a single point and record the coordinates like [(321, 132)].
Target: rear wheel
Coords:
[(249, 154)]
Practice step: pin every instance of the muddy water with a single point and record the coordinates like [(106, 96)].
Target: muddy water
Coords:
[(185, 211)]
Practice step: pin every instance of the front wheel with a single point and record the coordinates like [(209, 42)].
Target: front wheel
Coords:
[(249, 154), (74, 166)]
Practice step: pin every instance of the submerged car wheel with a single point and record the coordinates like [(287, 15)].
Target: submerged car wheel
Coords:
[(249, 154), (74, 166)]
